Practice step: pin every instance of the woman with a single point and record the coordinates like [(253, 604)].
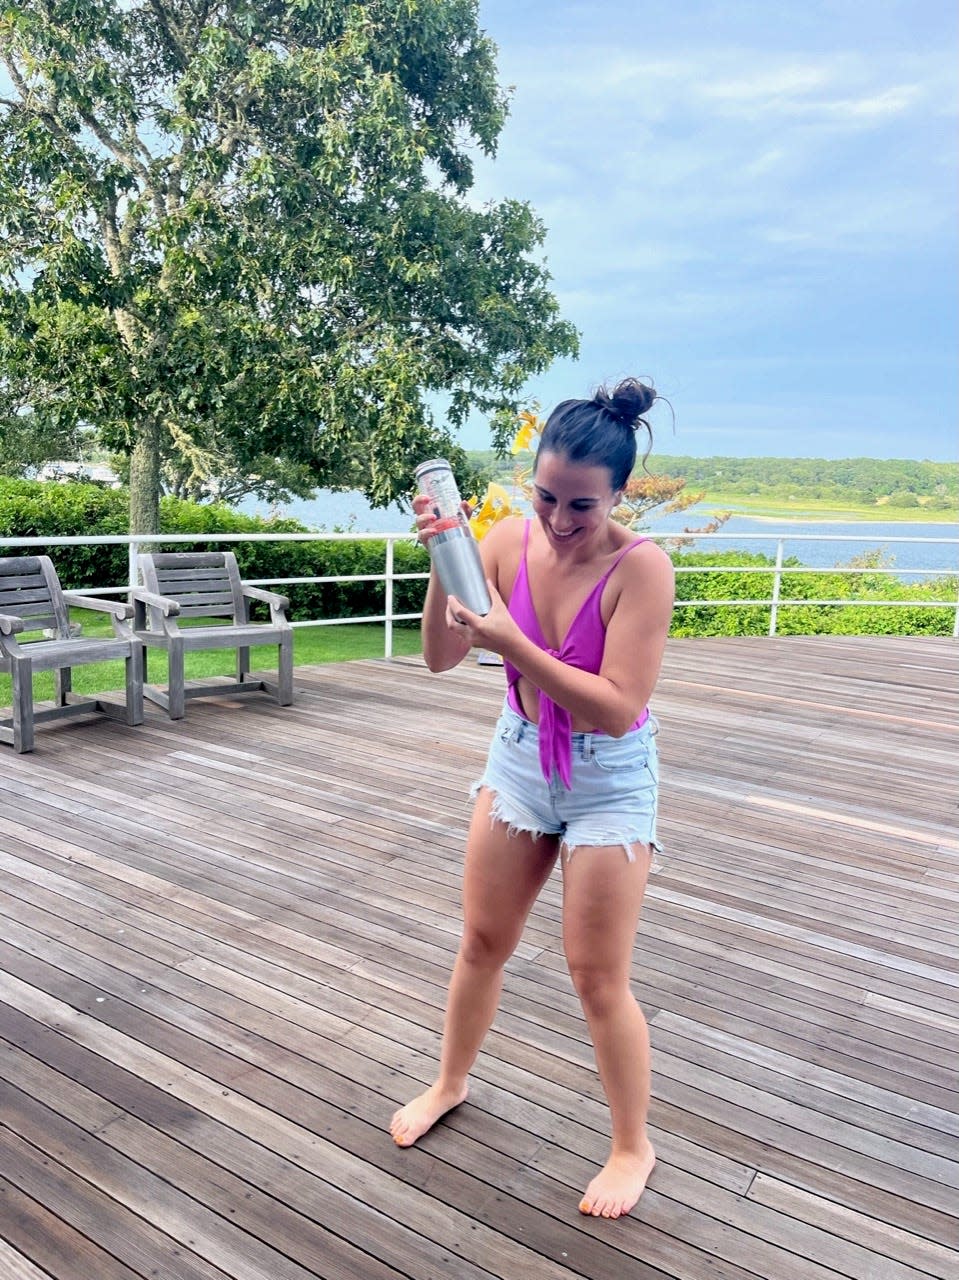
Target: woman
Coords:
[(580, 613)]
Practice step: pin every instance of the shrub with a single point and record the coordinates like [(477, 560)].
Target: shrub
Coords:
[(29, 508), (744, 620)]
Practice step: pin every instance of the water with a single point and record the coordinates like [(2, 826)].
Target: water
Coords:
[(859, 538), (336, 513), (351, 512)]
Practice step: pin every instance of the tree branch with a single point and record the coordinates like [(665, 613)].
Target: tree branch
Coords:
[(173, 37), (119, 152)]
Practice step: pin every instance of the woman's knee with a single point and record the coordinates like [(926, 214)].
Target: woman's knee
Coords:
[(600, 988), (486, 948)]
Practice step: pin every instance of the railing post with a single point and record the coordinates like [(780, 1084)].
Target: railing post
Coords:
[(777, 582), (388, 635), (955, 627)]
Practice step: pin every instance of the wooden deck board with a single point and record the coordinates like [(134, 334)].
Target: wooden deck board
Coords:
[(224, 944)]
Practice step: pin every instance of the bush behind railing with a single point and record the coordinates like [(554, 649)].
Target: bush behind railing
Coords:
[(32, 509), (801, 619)]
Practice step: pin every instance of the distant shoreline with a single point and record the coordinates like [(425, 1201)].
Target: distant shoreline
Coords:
[(800, 514)]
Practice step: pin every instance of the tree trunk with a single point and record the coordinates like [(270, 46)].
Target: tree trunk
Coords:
[(145, 480)]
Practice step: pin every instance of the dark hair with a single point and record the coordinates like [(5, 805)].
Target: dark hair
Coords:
[(601, 432)]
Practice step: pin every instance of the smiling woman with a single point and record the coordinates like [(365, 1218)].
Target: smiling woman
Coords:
[(580, 611)]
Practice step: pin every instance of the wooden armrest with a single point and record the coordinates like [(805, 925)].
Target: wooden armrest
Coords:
[(268, 597), (278, 604), (169, 608), (11, 623), (119, 608)]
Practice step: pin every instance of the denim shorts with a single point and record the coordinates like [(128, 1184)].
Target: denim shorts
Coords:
[(612, 800)]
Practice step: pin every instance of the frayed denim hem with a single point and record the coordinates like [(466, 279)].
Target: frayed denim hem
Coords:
[(519, 820), (607, 840)]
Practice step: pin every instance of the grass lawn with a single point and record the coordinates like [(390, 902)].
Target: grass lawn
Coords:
[(825, 509), (310, 645)]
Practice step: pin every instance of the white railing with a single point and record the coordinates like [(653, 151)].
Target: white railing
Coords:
[(774, 601)]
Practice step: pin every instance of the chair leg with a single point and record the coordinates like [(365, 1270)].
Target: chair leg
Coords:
[(64, 683), (242, 664), (285, 672), (134, 671), (176, 690), (21, 679)]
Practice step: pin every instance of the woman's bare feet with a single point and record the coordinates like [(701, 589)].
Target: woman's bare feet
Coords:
[(419, 1116), (618, 1185)]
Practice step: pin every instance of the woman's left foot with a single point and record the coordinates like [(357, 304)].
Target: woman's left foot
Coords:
[(618, 1185)]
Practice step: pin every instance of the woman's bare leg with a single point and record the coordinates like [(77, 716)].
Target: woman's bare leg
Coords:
[(602, 897), (501, 880)]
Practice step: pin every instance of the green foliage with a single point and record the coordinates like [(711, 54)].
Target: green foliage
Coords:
[(753, 620), (27, 444), (903, 498), (237, 238), (892, 482), (29, 508), (32, 509)]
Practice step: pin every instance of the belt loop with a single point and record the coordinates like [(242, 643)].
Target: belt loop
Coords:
[(587, 746), (519, 731)]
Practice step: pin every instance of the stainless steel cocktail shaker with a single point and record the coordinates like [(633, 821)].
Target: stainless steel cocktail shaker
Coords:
[(453, 549)]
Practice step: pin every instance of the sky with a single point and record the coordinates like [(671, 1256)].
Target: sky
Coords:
[(752, 203)]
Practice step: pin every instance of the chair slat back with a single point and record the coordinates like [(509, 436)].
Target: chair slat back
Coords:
[(30, 589), (206, 584)]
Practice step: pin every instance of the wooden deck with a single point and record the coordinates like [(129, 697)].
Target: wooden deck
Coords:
[(223, 951)]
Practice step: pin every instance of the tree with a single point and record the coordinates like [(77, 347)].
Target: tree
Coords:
[(26, 444), (237, 233)]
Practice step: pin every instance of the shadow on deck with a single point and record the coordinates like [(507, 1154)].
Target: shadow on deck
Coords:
[(225, 941)]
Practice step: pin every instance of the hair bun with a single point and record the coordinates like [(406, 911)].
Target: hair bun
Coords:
[(627, 402)]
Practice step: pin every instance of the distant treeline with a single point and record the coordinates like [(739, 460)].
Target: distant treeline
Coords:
[(899, 482), (894, 482)]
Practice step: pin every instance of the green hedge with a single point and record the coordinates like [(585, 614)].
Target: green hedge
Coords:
[(29, 508), (32, 509), (753, 620)]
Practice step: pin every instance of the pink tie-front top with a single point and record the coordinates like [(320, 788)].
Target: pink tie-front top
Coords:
[(583, 647)]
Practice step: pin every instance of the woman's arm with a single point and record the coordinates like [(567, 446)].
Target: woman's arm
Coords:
[(445, 641), (635, 639), (444, 647)]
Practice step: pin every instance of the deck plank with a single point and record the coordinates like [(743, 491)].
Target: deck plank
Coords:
[(224, 944)]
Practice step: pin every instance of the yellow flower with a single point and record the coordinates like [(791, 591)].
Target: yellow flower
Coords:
[(497, 503), (530, 428), (496, 506)]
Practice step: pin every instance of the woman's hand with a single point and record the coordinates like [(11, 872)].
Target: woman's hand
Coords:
[(426, 517), (492, 631)]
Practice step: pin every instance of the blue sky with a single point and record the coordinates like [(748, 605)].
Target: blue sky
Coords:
[(753, 203)]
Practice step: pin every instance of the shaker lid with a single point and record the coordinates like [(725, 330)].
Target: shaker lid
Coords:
[(433, 464)]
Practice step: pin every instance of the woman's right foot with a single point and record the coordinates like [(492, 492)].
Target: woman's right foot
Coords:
[(419, 1116)]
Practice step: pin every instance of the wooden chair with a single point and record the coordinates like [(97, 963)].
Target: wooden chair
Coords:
[(207, 585), (31, 599)]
